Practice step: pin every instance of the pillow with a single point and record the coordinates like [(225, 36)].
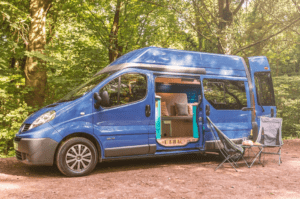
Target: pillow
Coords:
[(181, 109), (164, 110)]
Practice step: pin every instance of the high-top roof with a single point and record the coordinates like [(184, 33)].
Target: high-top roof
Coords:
[(214, 64)]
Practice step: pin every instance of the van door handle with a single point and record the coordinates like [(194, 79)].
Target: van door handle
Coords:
[(247, 109), (147, 110)]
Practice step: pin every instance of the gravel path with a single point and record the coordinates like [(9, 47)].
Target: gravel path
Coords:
[(188, 176)]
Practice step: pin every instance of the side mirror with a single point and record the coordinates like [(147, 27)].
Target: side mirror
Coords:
[(105, 98), (101, 99), (98, 100)]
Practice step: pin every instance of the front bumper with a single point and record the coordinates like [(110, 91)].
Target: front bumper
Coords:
[(35, 151)]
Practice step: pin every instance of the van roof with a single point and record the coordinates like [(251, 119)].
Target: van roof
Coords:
[(193, 62)]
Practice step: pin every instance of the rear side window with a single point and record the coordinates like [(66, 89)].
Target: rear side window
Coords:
[(126, 89), (225, 94), (264, 89)]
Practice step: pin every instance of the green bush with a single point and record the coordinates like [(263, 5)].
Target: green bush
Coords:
[(287, 94), (13, 110)]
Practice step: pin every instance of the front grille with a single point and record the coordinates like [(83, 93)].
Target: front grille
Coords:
[(19, 155), (26, 127)]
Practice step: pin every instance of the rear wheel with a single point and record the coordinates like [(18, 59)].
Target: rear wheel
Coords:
[(77, 157)]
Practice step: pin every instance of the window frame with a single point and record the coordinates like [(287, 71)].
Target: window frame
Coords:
[(218, 80), (259, 86), (119, 83)]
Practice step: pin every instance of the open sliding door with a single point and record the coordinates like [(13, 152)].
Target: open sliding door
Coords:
[(225, 102)]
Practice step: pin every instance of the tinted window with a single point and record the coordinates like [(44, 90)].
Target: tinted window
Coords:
[(126, 89), (264, 89), (225, 94)]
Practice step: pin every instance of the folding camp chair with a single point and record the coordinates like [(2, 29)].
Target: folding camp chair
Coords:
[(231, 152), (269, 134)]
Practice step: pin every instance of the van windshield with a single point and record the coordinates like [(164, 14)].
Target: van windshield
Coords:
[(85, 87)]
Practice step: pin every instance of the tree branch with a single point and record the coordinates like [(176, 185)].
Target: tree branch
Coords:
[(179, 12), (212, 16), (142, 27), (238, 8), (104, 27), (298, 7), (269, 37), (204, 18), (280, 22)]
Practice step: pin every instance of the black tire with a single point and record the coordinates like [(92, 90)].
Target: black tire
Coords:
[(77, 156)]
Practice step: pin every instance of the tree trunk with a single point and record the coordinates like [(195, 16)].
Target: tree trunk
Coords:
[(113, 37), (35, 69), (225, 20), (197, 24)]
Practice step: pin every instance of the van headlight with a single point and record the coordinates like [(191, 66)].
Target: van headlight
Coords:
[(46, 117)]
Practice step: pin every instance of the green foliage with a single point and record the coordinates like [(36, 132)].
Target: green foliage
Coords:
[(13, 110), (78, 33), (287, 92)]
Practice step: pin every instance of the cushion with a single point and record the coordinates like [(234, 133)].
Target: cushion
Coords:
[(164, 110), (181, 109), (173, 110), (190, 108), (172, 98)]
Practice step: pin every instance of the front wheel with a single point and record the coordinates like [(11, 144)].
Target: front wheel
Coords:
[(77, 157)]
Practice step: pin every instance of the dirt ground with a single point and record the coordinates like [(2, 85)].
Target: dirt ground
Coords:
[(184, 176)]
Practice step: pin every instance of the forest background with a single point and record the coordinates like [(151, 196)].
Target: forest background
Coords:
[(48, 47)]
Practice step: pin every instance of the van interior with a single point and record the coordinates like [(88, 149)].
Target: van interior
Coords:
[(179, 99)]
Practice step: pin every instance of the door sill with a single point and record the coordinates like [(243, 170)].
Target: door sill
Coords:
[(176, 141)]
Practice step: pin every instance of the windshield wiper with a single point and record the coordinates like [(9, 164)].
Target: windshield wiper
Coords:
[(67, 100), (60, 101)]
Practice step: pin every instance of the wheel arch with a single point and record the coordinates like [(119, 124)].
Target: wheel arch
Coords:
[(84, 135)]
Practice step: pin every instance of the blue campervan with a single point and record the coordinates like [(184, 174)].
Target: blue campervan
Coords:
[(149, 102)]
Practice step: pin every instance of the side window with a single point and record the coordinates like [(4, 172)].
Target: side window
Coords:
[(133, 88), (225, 94), (264, 89), (126, 89)]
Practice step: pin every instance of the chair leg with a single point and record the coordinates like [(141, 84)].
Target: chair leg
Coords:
[(257, 156), (245, 161), (234, 162), (222, 162), (279, 153), (233, 165), (262, 161), (226, 159)]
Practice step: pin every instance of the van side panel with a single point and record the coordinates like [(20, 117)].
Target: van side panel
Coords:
[(124, 129)]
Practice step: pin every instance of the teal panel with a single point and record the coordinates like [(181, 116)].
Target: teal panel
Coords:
[(195, 126), (158, 118)]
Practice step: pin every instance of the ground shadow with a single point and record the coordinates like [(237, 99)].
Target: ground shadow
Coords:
[(154, 162), (11, 166)]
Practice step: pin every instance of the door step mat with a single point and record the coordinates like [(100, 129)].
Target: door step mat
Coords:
[(182, 141)]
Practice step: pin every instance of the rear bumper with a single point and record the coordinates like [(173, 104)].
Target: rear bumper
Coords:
[(35, 151)]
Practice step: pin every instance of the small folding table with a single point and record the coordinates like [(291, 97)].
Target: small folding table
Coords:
[(256, 154)]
